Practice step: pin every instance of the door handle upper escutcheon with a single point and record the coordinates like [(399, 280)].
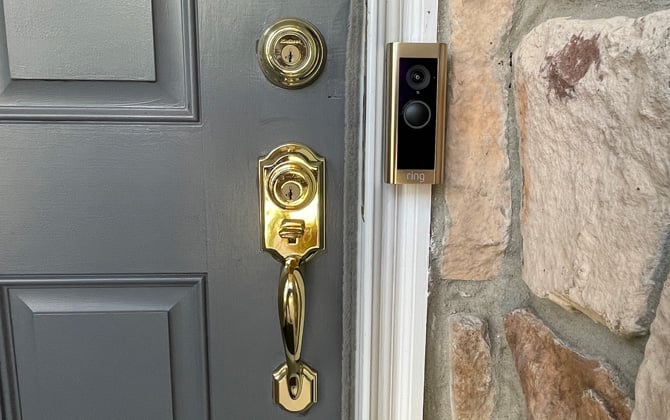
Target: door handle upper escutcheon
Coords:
[(291, 193)]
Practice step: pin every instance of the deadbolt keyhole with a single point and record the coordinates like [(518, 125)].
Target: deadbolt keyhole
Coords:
[(291, 55)]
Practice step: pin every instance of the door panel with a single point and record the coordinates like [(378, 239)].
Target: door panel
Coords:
[(39, 49), (108, 348), (46, 73), (157, 178)]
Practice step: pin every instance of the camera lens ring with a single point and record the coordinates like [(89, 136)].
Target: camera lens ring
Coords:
[(418, 77), (413, 107)]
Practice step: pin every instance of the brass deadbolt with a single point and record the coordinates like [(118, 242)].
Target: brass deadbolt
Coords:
[(291, 53)]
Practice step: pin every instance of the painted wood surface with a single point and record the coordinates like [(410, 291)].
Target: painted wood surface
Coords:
[(107, 347), (169, 95), (142, 192), (78, 40)]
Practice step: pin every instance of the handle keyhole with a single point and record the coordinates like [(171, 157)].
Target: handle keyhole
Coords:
[(291, 191)]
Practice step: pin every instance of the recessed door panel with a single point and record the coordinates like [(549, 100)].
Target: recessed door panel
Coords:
[(119, 60), (75, 40), (107, 348)]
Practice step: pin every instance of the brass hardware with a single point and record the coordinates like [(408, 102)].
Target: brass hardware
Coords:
[(414, 175), (280, 389), (291, 187), (285, 167), (295, 383), (291, 53)]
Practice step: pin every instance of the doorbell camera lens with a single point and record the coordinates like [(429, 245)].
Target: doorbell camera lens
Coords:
[(418, 77), (416, 114)]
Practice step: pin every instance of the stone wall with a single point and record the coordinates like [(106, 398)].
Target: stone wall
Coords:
[(551, 234)]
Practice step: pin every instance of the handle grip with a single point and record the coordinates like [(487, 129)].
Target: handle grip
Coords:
[(291, 305)]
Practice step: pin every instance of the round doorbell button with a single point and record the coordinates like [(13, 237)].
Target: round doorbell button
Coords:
[(416, 114)]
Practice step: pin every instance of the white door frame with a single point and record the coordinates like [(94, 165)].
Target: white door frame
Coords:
[(393, 239)]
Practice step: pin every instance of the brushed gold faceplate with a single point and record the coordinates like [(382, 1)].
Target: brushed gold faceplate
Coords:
[(291, 53), (394, 52)]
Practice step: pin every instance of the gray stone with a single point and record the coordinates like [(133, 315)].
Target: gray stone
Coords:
[(593, 103), (472, 394), (652, 386), (558, 382)]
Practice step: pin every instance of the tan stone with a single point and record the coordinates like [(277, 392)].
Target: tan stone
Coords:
[(472, 395), (478, 196), (652, 386), (558, 382), (593, 407), (593, 100)]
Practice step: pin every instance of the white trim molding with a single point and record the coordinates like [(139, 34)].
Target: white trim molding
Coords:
[(394, 240)]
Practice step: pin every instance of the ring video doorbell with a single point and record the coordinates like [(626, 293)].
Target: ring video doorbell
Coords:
[(415, 104)]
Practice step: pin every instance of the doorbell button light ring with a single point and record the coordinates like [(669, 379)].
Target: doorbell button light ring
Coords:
[(415, 112)]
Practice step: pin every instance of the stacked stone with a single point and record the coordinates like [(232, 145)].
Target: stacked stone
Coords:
[(590, 105)]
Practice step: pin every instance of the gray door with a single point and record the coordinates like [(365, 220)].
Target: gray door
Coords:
[(132, 281)]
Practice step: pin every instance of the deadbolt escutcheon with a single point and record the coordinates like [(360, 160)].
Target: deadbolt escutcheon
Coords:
[(291, 53)]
